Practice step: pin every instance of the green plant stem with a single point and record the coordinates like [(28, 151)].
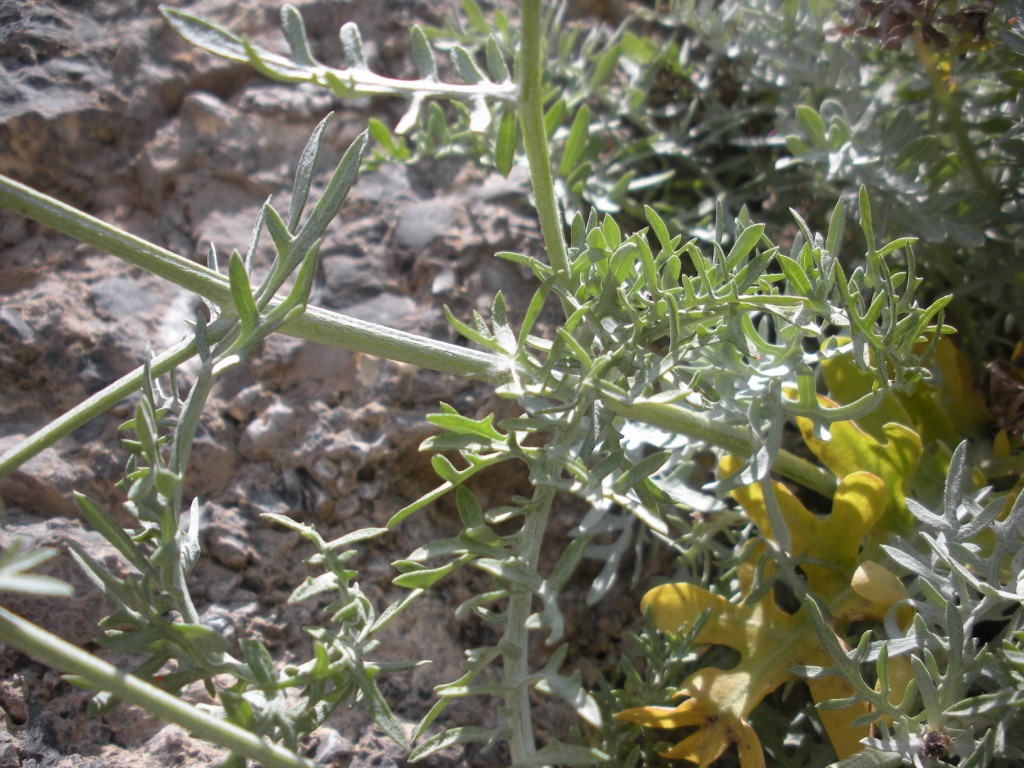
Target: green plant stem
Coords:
[(535, 139), (319, 325), (515, 641), (98, 674), (672, 418), (181, 449), (353, 81), (89, 409), (333, 329)]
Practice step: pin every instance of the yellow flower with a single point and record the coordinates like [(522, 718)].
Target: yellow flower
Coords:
[(770, 641)]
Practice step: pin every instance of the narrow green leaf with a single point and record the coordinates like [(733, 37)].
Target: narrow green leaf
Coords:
[(15, 576), (111, 530), (866, 225), (304, 172), (836, 229), (422, 54), (241, 293), (254, 241), (744, 244), (352, 46), (200, 636), (426, 578), (505, 144), (553, 117), (512, 571), (313, 586), (260, 662), (576, 143), (380, 711), (445, 469), (298, 296), (496, 66), (450, 738), (354, 537), (795, 275), (812, 126), (659, 229), (612, 233), (147, 430), (295, 34), (337, 190), (273, 66), (477, 20), (483, 339), (1013, 78), (503, 333), (571, 692), (394, 610), (465, 66), (279, 232), (239, 712), (133, 640), (205, 34), (463, 425), (470, 512), (605, 66)]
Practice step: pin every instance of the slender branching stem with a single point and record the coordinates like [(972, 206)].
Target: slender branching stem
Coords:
[(89, 409), (673, 418), (319, 325), (515, 640), (535, 139), (365, 83), (102, 676)]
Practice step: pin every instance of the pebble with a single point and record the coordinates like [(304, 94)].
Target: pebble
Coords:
[(270, 431)]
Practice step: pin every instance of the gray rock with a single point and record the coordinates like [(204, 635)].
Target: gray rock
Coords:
[(271, 431), (421, 223)]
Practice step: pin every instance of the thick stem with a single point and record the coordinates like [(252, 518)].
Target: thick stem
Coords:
[(89, 409), (98, 674), (319, 325), (673, 418), (535, 139), (515, 641)]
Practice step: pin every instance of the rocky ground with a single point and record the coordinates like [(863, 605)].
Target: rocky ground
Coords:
[(103, 107)]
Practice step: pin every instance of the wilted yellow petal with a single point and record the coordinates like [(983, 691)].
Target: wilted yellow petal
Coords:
[(878, 584), (858, 504), (675, 605), (749, 748), (851, 449), (703, 747), (689, 712)]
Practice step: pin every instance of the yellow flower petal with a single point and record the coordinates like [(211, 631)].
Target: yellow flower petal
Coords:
[(704, 747), (749, 747), (674, 605), (690, 712), (878, 584)]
